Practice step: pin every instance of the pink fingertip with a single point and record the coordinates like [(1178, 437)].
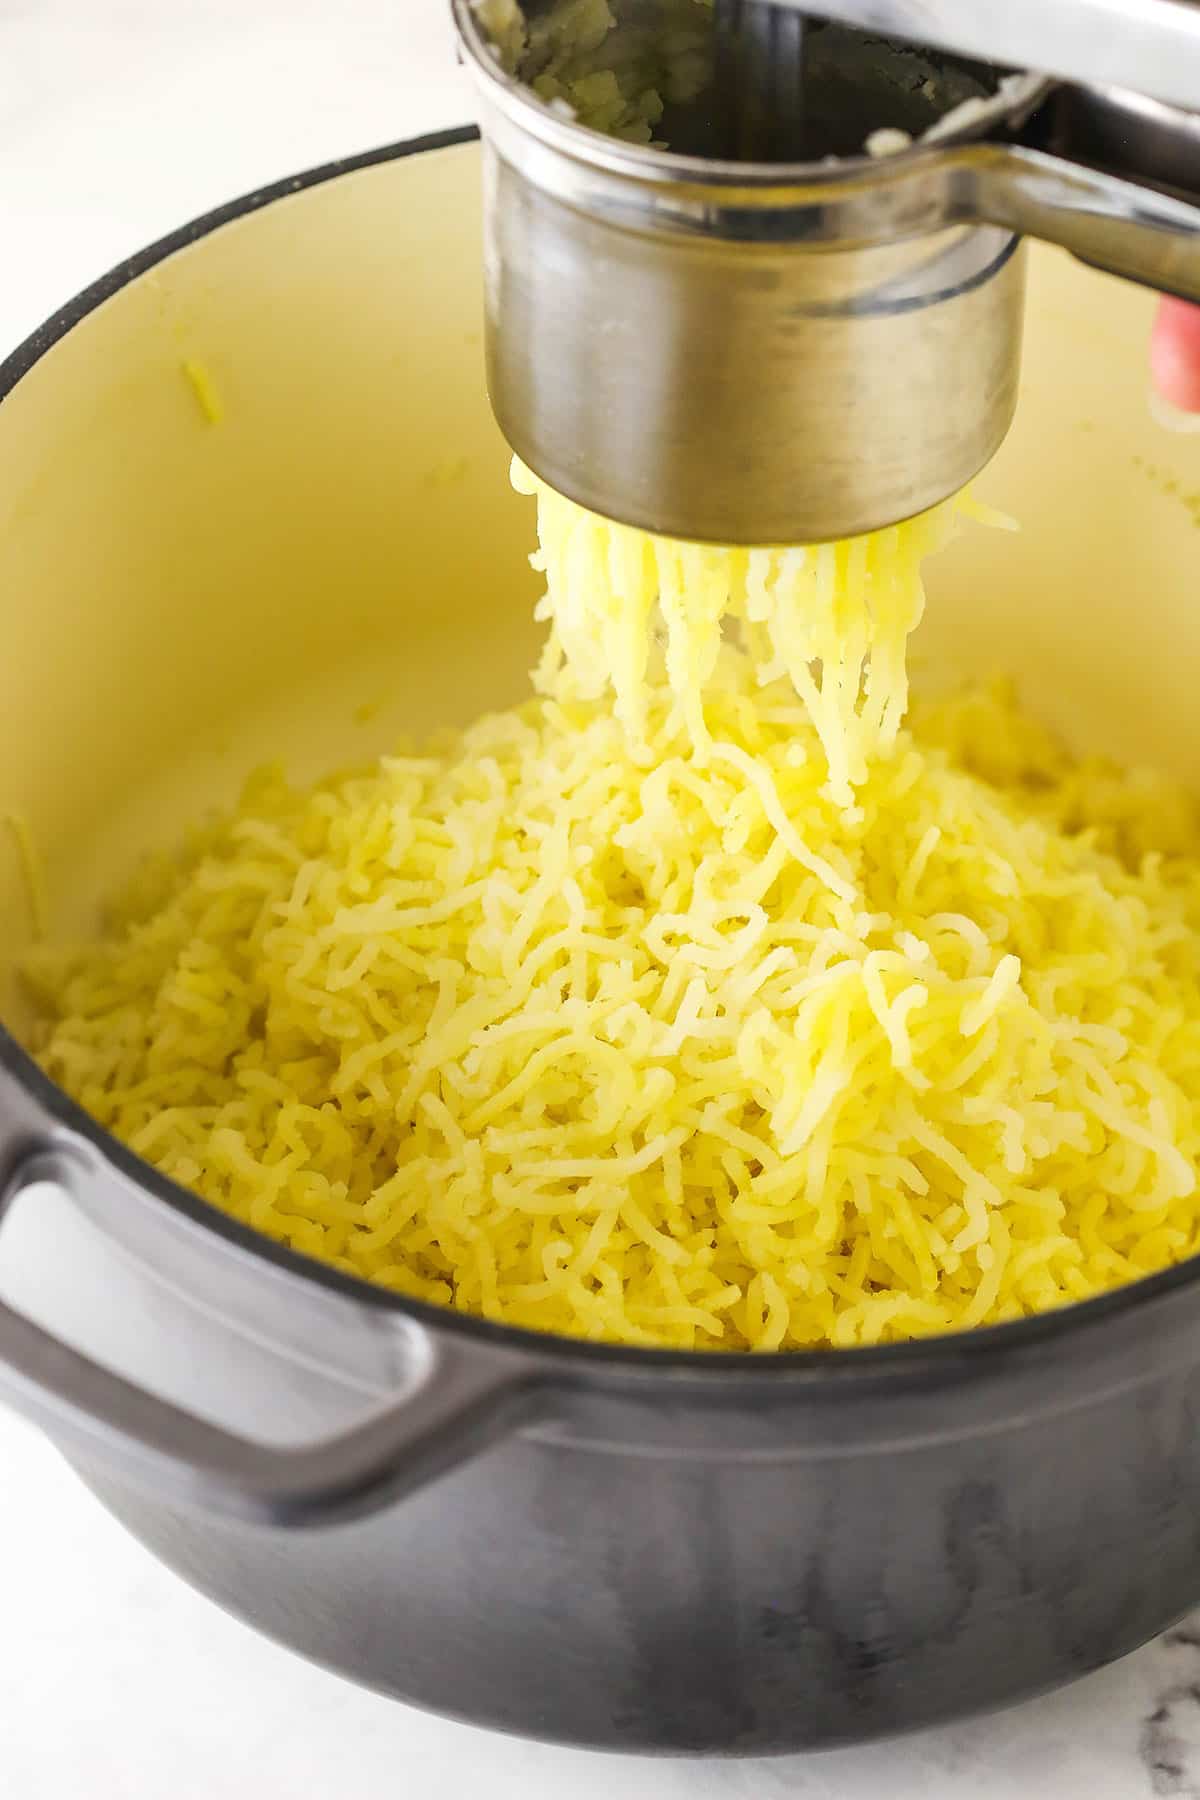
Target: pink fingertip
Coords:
[(1175, 354)]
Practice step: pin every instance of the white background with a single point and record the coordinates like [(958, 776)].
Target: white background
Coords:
[(119, 119)]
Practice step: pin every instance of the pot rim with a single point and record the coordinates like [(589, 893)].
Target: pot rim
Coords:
[(982, 1344)]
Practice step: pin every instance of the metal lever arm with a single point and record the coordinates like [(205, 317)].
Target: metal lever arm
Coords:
[(1149, 46), (1112, 177)]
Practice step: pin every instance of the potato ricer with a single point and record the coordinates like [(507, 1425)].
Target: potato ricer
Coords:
[(797, 316)]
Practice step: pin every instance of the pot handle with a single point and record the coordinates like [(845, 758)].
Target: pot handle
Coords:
[(460, 1397), (1112, 177)]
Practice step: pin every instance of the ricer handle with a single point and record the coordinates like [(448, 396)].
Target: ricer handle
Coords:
[(1150, 47), (1112, 177)]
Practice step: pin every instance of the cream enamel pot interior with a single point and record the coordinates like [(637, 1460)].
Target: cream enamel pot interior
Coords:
[(605, 1547)]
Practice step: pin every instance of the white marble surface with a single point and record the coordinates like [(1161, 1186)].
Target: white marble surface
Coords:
[(118, 120)]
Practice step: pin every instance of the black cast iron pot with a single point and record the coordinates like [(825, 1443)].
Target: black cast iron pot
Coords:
[(249, 484)]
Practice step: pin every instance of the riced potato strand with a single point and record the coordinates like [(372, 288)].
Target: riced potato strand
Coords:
[(674, 1048)]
